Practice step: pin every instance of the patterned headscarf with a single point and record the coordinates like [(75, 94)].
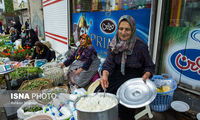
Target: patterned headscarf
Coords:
[(117, 45), (88, 42)]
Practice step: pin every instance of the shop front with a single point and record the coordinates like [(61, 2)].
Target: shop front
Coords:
[(99, 19), (180, 53)]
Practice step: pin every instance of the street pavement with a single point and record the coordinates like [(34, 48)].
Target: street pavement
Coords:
[(191, 99)]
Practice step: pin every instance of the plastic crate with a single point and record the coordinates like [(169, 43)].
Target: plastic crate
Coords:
[(163, 100), (40, 62)]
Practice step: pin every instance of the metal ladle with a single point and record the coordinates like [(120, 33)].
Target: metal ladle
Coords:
[(104, 92)]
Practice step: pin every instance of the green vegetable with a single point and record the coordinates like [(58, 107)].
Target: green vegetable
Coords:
[(34, 84), (25, 72), (33, 109)]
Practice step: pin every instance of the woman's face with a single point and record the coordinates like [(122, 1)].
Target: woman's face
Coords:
[(82, 41), (124, 30)]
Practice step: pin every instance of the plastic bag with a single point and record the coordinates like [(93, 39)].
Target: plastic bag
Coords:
[(49, 65), (21, 114), (40, 62), (56, 74), (18, 43), (160, 82), (56, 90), (4, 59)]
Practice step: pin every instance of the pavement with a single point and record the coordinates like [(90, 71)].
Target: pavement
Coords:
[(191, 99)]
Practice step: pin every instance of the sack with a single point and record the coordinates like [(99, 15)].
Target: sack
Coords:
[(56, 74)]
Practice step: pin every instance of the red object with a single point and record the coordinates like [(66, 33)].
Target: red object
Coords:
[(95, 77), (1, 22), (36, 30)]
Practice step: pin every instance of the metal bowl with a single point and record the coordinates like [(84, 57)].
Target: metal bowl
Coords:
[(134, 93)]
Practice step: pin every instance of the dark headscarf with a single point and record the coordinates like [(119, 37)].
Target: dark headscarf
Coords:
[(41, 47), (39, 44), (126, 47), (33, 37)]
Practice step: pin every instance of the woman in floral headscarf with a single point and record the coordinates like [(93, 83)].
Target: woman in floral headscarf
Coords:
[(127, 58), (83, 63)]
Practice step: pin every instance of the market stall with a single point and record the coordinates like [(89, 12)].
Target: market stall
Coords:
[(22, 76)]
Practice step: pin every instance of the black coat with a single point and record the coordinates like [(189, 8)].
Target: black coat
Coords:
[(46, 54)]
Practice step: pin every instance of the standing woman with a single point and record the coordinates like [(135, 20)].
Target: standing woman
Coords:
[(83, 63), (127, 58)]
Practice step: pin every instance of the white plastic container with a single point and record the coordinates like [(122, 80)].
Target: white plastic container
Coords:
[(65, 111), (54, 111)]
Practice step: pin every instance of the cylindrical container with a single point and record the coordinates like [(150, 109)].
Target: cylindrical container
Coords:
[(94, 5), (108, 5), (109, 114), (78, 5), (120, 6), (116, 4), (103, 4), (125, 4), (54, 111), (65, 111)]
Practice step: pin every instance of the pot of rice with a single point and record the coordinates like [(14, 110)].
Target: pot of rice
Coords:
[(96, 106)]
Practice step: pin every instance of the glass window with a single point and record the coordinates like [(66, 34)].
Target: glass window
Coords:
[(184, 13), (108, 5)]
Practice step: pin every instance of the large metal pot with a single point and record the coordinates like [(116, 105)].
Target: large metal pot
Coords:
[(109, 114)]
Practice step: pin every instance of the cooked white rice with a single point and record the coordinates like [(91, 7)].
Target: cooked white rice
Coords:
[(96, 103)]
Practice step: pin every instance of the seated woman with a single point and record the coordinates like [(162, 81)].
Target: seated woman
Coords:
[(32, 38), (13, 34), (23, 37), (41, 51), (7, 30), (83, 63)]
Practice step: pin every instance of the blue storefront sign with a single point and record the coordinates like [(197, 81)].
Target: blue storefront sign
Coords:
[(102, 26), (187, 62)]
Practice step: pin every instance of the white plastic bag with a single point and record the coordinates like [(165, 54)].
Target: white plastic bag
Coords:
[(56, 74), (23, 115), (18, 43)]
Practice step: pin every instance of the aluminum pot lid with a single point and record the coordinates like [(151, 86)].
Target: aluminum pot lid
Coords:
[(134, 93), (198, 116)]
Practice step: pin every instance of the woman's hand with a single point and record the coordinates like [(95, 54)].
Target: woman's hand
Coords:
[(146, 76), (79, 71), (29, 57), (62, 65), (104, 79)]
